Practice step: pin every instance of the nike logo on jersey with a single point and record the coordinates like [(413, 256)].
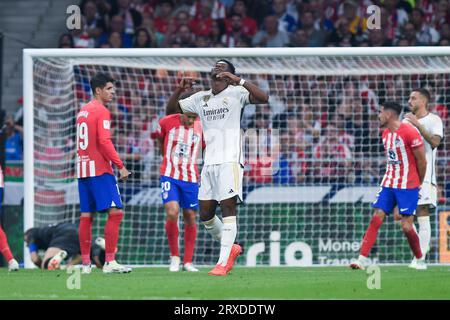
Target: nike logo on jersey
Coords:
[(193, 205), (403, 210)]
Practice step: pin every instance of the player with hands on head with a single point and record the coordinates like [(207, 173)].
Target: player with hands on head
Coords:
[(219, 109)]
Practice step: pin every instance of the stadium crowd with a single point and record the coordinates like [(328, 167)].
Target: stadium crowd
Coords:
[(258, 23), (328, 126)]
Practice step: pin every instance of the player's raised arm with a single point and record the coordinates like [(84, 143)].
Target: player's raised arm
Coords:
[(433, 139), (172, 104), (256, 94)]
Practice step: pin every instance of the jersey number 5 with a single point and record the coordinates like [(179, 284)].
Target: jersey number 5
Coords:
[(82, 136)]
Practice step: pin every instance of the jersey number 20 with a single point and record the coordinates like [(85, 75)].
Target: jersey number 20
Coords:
[(82, 136)]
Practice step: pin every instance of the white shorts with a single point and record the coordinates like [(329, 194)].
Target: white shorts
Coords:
[(428, 195), (221, 181)]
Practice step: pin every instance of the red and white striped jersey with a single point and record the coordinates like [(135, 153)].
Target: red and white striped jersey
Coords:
[(95, 151), (181, 147), (2, 179), (401, 167)]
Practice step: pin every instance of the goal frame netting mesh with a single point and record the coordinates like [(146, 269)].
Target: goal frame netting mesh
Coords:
[(318, 220)]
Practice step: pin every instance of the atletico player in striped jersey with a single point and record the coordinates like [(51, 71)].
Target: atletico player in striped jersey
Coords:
[(4, 247), (405, 171), (180, 138), (97, 184)]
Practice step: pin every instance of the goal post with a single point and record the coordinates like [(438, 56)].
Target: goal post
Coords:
[(313, 219)]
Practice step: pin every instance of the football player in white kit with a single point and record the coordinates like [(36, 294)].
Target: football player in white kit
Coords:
[(430, 127), (220, 111)]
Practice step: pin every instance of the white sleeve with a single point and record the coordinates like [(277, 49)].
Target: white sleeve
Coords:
[(438, 127), (191, 103), (243, 95)]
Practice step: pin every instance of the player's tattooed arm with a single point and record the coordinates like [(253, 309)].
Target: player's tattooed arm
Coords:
[(256, 94), (433, 139), (172, 104)]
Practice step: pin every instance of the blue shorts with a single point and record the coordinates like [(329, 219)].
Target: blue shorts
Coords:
[(406, 199), (185, 193), (99, 193)]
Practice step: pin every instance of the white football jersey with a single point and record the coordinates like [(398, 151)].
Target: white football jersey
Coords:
[(221, 122), (434, 125)]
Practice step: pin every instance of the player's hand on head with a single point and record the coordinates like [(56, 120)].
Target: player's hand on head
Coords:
[(124, 174), (412, 119), (233, 79)]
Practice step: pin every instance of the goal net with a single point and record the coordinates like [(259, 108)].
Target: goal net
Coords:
[(306, 204)]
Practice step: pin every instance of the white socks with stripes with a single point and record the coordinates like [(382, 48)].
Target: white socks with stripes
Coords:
[(214, 227), (424, 233), (229, 231)]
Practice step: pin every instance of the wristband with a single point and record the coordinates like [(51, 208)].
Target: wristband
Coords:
[(33, 247), (241, 82)]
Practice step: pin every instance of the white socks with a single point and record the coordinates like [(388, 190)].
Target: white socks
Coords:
[(214, 227), (229, 231), (424, 233)]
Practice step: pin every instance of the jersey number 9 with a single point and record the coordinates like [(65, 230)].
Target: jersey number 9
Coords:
[(82, 136)]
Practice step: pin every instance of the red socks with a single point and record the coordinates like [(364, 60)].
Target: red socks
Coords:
[(190, 235), (85, 236), (112, 235), (414, 242), (4, 247), (172, 237), (370, 236)]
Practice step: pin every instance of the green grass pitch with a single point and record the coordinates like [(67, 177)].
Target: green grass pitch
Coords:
[(397, 282)]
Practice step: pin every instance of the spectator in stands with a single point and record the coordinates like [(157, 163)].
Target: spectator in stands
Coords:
[(249, 26), (142, 39), (316, 38), (321, 21), (299, 155), (377, 38), (217, 31), (441, 15), (131, 17), (357, 25), (271, 36), (94, 22), (286, 22), (201, 23), (184, 38), (216, 10), (408, 33), (299, 38), (115, 40), (81, 37), (156, 37), (65, 41), (396, 17), (164, 19), (425, 33), (341, 32), (117, 25), (444, 42), (104, 7), (445, 31), (14, 140), (234, 32)]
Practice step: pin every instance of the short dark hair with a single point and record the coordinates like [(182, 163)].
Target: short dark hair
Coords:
[(423, 92), (392, 105), (230, 65), (99, 81)]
